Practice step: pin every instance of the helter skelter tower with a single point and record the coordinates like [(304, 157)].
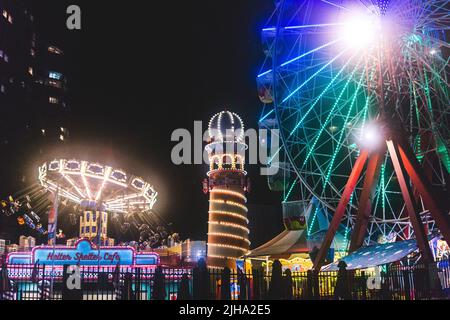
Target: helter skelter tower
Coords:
[(227, 185)]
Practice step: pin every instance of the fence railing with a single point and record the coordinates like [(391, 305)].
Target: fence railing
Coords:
[(397, 282)]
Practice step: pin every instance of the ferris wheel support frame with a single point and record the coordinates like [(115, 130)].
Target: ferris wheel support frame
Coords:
[(405, 163), (366, 198)]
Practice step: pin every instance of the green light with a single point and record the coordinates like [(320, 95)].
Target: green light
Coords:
[(341, 134), (347, 229), (290, 189), (312, 221), (320, 96), (443, 153), (312, 76), (314, 104), (418, 148), (427, 93), (330, 114)]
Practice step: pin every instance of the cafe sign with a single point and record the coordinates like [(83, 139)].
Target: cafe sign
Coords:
[(84, 253)]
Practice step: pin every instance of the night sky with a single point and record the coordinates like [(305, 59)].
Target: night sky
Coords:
[(138, 70)]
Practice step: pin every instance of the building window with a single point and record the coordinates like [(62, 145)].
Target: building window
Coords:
[(30, 71), (7, 16), (87, 229), (82, 229), (5, 57), (32, 52), (52, 100), (94, 229), (55, 83), (55, 50), (2, 88), (54, 75)]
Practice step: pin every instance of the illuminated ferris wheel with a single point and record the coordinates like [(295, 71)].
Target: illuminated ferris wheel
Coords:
[(337, 72)]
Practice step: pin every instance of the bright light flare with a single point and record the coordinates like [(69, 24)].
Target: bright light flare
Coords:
[(361, 31), (371, 137)]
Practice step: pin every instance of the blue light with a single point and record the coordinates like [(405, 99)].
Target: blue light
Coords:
[(264, 73), (311, 77), (267, 114), (335, 5), (313, 25), (54, 75), (300, 56), (303, 26), (309, 52)]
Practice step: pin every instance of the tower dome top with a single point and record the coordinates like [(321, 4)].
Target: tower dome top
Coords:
[(226, 126)]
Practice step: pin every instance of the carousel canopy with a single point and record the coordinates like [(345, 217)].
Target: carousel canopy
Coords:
[(285, 244)]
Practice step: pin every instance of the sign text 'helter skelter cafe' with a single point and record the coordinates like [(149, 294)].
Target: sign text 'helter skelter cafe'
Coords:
[(84, 253)]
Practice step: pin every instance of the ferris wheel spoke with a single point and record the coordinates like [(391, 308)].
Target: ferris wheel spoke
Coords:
[(431, 69), (335, 5), (312, 76), (330, 114), (432, 13), (339, 143), (319, 97), (310, 52)]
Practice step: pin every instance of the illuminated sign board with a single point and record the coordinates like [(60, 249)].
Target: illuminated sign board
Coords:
[(84, 253)]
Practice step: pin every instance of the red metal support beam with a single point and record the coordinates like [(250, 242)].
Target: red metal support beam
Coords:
[(340, 210), (411, 208), (365, 199), (438, 210)]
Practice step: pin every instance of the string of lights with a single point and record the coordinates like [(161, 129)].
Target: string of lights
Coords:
[(233, 214)]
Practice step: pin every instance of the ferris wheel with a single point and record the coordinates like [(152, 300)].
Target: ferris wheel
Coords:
[(335, 73)]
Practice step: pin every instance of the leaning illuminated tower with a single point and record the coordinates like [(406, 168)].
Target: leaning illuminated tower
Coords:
[(227, 184)]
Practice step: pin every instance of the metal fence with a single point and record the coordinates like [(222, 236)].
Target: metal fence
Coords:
[(396, 282)]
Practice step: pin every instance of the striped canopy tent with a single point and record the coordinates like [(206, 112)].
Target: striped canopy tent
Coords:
[(284, 245)]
